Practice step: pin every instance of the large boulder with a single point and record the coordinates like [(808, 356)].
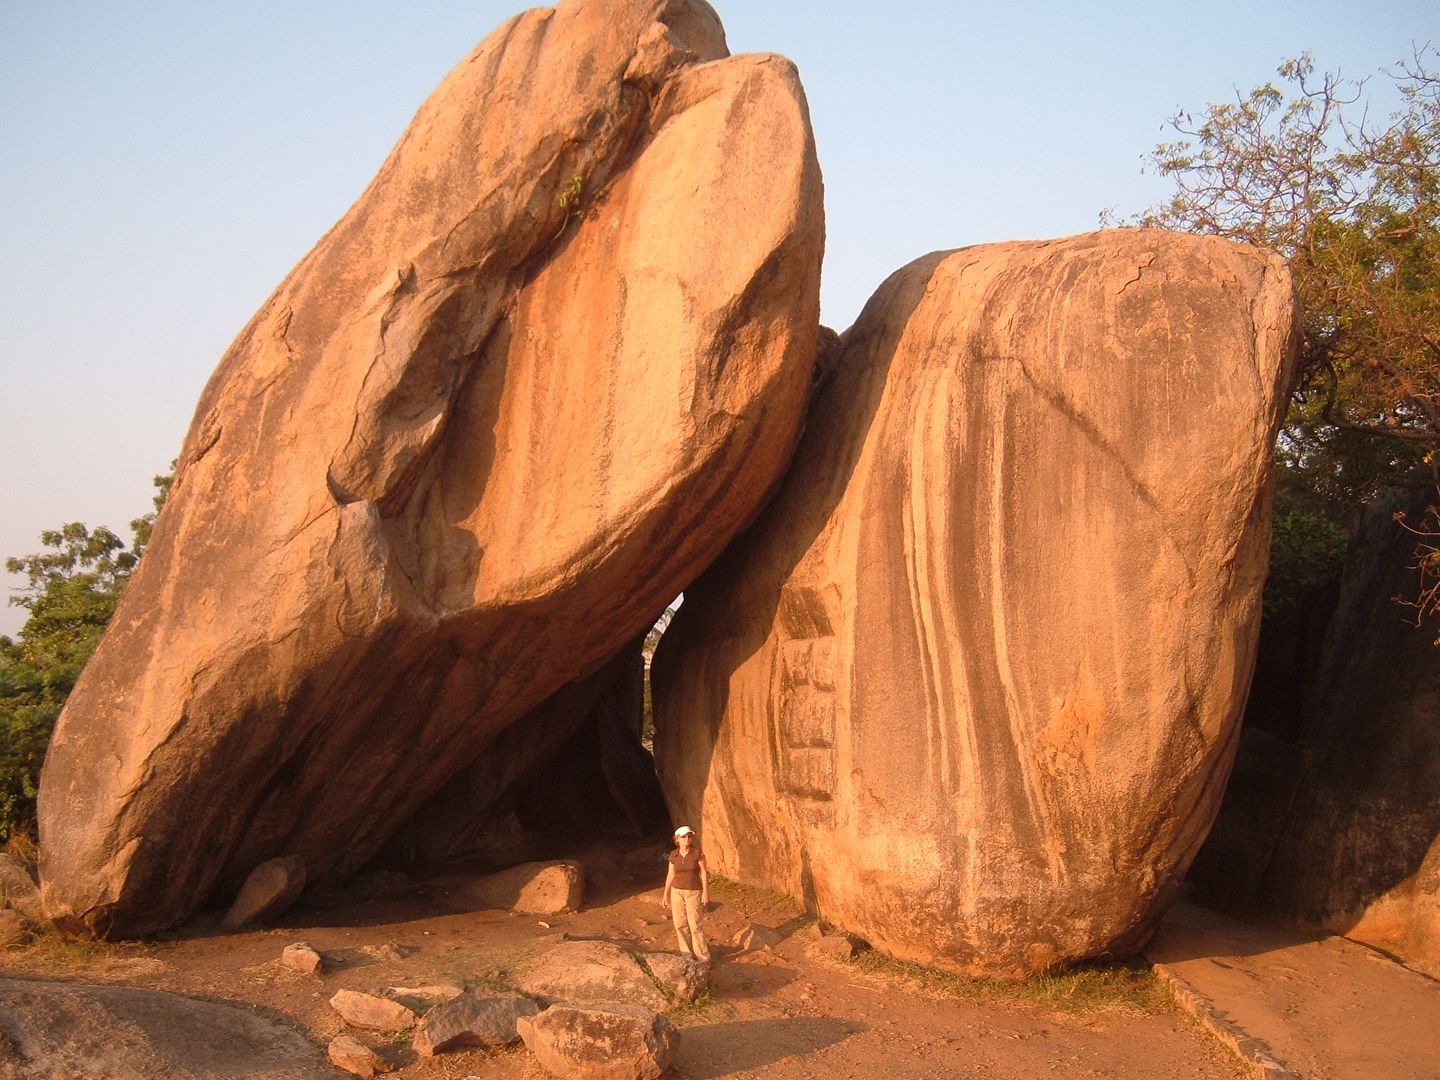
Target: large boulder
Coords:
[(971, 684), (60, 1031), (1345, 833), (554, 357)]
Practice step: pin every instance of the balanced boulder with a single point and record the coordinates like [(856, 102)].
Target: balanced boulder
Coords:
[(970, 686), (531, 384)]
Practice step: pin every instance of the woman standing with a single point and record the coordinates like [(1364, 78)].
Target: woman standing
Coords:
[(687, 891)]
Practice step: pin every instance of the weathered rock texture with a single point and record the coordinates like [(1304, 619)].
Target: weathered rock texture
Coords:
[(1345, 833), (971, 684), (61, 1031), (549, 363), (603, 1041)]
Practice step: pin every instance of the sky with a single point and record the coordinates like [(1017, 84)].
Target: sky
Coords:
[(164, 164)]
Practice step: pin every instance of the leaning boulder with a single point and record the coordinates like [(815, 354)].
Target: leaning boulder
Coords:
[(971, 684), (528, 387), (601, 1041), (591, 971)]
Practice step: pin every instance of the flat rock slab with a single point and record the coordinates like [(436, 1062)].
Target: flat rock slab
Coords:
[(591, 971), (1317, 1006), (61, 1031)]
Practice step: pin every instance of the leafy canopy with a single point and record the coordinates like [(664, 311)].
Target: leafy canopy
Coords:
[(1353, 203), (71, 591)]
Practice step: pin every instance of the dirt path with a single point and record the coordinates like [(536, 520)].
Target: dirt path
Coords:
[(791, 1012), (1323, 1007)]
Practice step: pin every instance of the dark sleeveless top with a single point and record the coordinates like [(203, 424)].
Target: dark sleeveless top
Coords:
[(687, 869)]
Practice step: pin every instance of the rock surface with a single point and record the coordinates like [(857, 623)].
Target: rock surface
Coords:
[(971, 684), (531, 384), (1345, 833), (591, 971), (601, 1042), (542, 888), (349, 1053), (471, 1019), (271, 888), (18, 889), (301, 957), (371, 1011), (683, 977), (60, 1031)]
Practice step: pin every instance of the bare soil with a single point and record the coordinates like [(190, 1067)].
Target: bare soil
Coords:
[(787, 1012)]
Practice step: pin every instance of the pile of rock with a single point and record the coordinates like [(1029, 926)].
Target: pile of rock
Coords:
[(583, 1008)]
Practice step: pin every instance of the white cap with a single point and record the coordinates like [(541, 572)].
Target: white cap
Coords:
[(684, 830)]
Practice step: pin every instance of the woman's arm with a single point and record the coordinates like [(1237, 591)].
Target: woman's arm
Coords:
[(704, 882), (669, 879)]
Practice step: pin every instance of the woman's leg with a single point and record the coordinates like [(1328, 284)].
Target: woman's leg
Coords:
[(695, 916), (678, 917)]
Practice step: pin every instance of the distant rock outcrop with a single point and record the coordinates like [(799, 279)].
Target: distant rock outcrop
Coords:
[(971, 684), (1342, 828), (529, 386)]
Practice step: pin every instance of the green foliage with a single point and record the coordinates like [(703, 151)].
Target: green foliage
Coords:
[(1354, 206), (71, 591), (1307, 552)]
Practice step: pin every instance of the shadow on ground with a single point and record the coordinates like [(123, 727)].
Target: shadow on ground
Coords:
[(753, 1044)]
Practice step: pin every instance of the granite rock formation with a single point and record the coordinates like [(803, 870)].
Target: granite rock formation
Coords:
[(971, 684), (1340, 826), (532, 382)]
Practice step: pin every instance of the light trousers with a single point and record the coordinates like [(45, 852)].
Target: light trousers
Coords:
[(689, 918)]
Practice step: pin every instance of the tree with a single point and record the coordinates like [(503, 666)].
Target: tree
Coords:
[(1354, 206), (70, 593)]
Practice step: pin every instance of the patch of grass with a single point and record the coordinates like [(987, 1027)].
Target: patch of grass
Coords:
[(1085, 988), (21, 845), (705, 1007), (58, 953)]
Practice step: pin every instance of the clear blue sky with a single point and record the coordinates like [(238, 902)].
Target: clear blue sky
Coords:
[(164, 164)]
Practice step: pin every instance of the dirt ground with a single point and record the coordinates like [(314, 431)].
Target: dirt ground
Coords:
[(790, 1012)]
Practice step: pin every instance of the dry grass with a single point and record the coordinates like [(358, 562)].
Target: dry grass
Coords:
[(1082, 989)]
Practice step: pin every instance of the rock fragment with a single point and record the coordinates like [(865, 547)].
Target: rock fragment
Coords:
[(539, 888), (302, 957), (684, 977), (601, 1041), (271, 888), (370, 1011), (471, 1020), (349, 1053)]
